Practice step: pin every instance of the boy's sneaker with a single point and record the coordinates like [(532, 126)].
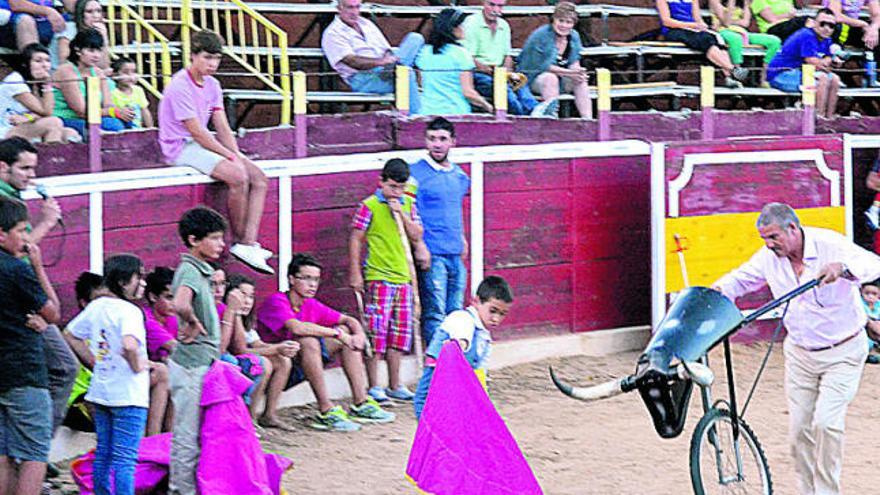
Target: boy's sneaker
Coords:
[(547, 108), (378, 394), (335, 420), (400, 393), (263, 251), (252, 256), (371, 412), (873, 216)]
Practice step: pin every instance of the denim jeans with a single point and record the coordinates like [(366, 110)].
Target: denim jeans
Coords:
[(442, 291), (381, 79), (119, 430), (109, 124), (519, 102), (421, 395)]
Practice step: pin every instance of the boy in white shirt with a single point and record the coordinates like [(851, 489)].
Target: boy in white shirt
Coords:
[(470, 327)]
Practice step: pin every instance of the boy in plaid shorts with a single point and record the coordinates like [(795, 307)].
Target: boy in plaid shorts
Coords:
[(387, 274)]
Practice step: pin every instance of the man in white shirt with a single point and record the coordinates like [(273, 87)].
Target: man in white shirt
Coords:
[(826, 346)]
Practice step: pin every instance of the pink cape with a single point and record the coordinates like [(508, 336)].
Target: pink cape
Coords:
[(232, 460), (462, 445)]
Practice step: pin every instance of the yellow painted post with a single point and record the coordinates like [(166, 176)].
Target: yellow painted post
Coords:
[(299, 114), (707, 100), (185, 23), (808, 85), (401, 73), (93, 115), (603, 85), (93, 99), (499, 93)]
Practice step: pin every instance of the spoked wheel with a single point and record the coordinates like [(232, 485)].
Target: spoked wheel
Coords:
[(720, 465)]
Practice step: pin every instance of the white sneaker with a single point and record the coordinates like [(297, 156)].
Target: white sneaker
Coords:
[(547, 108), (252, 257), (265, 252)]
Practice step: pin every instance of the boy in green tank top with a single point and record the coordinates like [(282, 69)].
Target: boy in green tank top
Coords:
[(387, 275)]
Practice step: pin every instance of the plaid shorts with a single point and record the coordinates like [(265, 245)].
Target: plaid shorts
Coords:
[(389, 315)]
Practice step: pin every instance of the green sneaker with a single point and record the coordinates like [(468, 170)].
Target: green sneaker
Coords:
[(371, 412), (335, 420)]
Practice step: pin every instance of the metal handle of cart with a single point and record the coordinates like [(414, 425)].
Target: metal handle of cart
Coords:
[(692, 370)]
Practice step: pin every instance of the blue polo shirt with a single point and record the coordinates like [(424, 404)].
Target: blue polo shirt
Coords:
[(802, 44), (439, 195)]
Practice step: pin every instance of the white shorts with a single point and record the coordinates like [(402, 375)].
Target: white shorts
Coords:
[(193, 155)]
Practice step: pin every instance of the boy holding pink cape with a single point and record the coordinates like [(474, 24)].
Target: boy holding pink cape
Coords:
[(470, 327)]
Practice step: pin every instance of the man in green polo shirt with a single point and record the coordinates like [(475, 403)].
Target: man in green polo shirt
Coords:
[(487, 38), (18, 166)]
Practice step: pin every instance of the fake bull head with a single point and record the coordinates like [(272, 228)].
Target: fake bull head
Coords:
[(699, 319)]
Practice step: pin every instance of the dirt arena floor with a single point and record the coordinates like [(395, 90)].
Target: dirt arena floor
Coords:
[(602, 448)]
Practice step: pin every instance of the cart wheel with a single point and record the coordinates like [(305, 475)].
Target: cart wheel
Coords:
[(720, 465)]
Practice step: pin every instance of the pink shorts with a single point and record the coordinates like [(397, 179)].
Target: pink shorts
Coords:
[(389, 315)]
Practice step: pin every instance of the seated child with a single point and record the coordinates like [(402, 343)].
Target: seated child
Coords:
[(160, 318), (470, 327), (870, 298), (276, 358), (252, 366), (129, 97)]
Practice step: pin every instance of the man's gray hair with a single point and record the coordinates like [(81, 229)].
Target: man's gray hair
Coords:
[(778, 214)]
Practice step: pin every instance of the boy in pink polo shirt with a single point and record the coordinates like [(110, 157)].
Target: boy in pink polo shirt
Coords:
[(192, 100)]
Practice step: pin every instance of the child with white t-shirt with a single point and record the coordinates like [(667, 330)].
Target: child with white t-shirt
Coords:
[(114, 327)]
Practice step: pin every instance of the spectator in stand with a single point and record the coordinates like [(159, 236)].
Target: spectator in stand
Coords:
[(89, 14), (27, 100), (447, 70), (681, 20), (487, 38), (551, 59), (322, 333), (70, 85), (731, 19), (276, 358), (32, 21), (161, 321), (440, 187), (853, 31), (25, 405), (129, 96), (810, 45), (778, 17), (872, 214), (359, 52), (119, 391), (192, 100)]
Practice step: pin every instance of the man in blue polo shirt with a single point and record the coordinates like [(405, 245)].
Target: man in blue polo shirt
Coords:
[(809, 45), (440, 187)]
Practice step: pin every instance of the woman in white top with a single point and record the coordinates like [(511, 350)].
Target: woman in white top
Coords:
[(27, 100), (114, 327)]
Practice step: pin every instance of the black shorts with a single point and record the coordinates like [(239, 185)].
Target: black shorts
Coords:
[(700, 41)]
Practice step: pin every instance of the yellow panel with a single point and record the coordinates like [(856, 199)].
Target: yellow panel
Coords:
[(716, 244)]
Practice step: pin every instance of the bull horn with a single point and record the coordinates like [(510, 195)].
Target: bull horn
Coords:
[(596, 392)]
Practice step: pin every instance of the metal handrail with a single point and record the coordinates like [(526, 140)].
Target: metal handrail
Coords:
[(150, 78)]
